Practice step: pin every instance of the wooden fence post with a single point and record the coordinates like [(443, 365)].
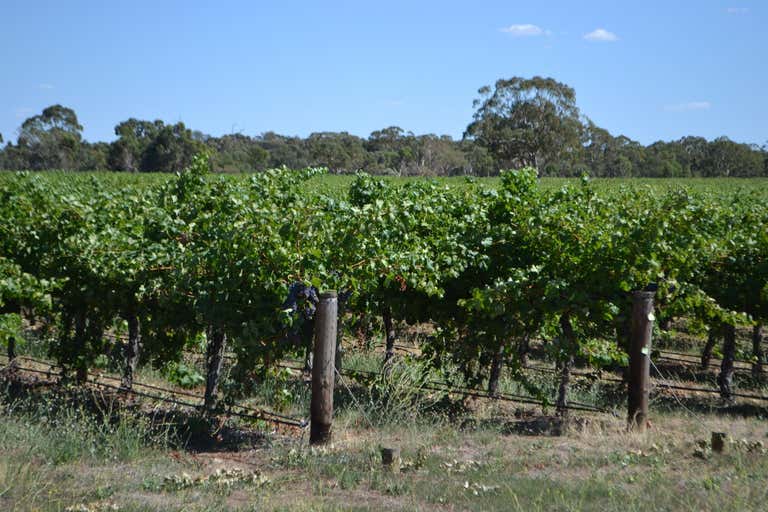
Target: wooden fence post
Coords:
[(323, 368), (640, 359), (390, 459)]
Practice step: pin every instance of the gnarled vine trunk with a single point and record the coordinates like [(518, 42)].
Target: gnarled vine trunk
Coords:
[(389, 332), (81, 368), (214, 358), (706, 354), (496, 366), (757, 351), (725, 378), (131, 352), (524, 349), (569, 340), (308, 359)]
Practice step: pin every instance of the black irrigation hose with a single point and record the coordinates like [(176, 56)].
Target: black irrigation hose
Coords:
[(667, 386), (698, 358), (575, 373), (444, 386), (697, 364), (193, 395), (532, 400), (433, 386), (688, 362), (260, 413), (509, 397), (33, 370), (290, 421), (707, 390), (515, 398), (410, 350), (683, 362), (172, 391)]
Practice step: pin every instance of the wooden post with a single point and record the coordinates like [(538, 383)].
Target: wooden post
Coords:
[(323, 369), (718, 441), (640, 359), (390, 459)]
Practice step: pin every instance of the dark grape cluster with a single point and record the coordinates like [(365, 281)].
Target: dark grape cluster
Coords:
[(302, 299)]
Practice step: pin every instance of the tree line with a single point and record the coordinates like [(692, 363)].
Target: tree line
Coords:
[(518, 122)]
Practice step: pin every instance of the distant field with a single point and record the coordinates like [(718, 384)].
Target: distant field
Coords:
[(334, 184)]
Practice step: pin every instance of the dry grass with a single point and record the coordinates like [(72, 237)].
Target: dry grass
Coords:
[(468, 456), (597, 466)]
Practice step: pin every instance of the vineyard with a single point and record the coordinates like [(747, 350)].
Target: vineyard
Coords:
[(516, 292)]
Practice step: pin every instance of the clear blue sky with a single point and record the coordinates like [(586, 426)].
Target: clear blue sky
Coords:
[(650, 70)]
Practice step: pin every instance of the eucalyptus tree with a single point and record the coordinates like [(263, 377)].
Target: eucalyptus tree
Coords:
[(526, 122)]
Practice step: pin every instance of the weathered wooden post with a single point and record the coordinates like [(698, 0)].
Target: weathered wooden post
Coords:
[(323, 368), (640, 358), (718, 441), (390, 459)]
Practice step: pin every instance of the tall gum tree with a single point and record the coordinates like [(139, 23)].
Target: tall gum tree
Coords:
[(527, 122)]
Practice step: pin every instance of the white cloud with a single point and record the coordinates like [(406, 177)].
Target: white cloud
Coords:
[(45, 86), (737, 10), (687, 107), (525, 30), (601, 35)]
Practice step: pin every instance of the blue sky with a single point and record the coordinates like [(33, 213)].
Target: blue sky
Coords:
[(650, 70)]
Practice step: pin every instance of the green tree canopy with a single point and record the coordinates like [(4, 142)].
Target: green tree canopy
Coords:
[(527, 122), (51, 140)]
